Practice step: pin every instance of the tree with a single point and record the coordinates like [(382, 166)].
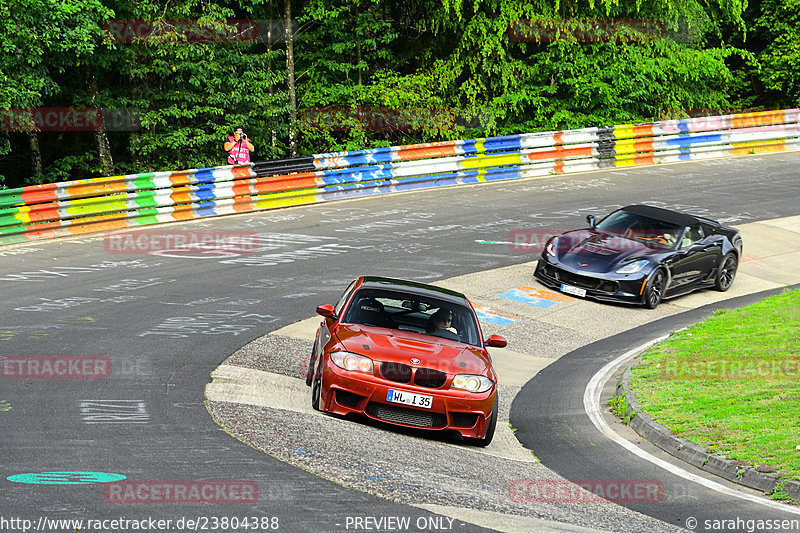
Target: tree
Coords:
[(778, 26), (40, 40)]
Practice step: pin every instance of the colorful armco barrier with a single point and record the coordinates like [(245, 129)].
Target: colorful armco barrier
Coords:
[(101, 204)]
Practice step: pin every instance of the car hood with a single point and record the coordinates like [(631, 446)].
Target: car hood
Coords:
[(595, 251), (398, 346)]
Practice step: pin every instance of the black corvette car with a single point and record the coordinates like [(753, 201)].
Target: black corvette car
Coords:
[(641, 255)]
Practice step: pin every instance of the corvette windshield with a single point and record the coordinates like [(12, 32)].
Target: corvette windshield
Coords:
[(652, 233), (411, 312)]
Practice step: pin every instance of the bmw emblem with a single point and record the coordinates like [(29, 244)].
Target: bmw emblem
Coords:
[(414, 361)]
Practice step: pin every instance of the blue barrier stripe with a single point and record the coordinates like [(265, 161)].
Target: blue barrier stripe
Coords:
[(690, 139)]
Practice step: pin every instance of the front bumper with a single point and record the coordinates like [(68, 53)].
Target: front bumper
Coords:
[(625, 288), (346, 392)]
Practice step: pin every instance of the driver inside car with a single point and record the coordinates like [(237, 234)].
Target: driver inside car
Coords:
[(440, 324)]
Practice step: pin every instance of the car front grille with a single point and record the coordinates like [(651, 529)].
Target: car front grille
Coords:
[(422, 377), (578, 280), (404, 415), (427, 377), (397, 372)]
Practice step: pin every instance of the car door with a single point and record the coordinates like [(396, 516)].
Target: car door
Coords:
[(694, 259)]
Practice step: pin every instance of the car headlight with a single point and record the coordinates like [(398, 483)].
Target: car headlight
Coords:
[(633, 267), (352, 362), (471, 383), (552, 246)]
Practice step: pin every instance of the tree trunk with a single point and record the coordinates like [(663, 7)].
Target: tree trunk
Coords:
[(358, 49), (290, 81), (36, 154), (100, 137), (273, 133)]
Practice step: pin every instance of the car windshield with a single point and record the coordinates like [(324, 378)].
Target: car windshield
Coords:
[(411, 312), (652, 233)]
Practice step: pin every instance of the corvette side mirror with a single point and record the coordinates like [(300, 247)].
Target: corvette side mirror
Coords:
[(591, 220), (326, 310), (496, 341)]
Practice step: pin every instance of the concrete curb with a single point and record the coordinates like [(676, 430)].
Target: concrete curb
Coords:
[(695, 455)]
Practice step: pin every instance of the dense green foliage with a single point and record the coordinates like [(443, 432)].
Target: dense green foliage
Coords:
[(372, 73)]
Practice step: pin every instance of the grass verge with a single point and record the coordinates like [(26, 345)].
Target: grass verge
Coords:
[(732, 384)]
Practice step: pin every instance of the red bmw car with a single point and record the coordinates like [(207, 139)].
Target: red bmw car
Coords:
[(408, 354)]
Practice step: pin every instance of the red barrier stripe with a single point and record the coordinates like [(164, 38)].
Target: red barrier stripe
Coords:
[(287, 182), (560, 153), (39, 193)]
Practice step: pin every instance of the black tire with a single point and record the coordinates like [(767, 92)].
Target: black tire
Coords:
[(490, 430), (310, 370), (727, 272), (316, 393), (654, 291)]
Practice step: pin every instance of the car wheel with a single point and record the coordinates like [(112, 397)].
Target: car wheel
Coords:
[(316, 392), (654, 292), (490, 430), (310, 371), (726, 273)]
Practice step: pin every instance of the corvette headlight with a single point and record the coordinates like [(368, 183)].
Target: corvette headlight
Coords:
[(471, 383), (352, 362), (552, 246), (633, 267)]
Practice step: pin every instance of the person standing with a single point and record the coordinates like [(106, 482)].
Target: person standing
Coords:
[(238, 148)]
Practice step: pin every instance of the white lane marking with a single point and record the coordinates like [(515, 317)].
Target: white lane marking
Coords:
[(591, 404)]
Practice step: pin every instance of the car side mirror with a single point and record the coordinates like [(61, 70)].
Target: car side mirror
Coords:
[(496, 341), (591, 220), (326, 310)]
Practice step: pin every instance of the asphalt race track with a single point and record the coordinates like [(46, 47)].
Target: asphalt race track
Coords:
[(166, 319), (552, 421)]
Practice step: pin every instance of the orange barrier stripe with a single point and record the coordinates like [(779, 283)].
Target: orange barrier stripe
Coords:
[(560, 153), (241, 172), (240, 188), (419, 151), (99, 224), (179, 178), (181, 196), (762, 118), (40, 213), (40, 193), (286, 182)]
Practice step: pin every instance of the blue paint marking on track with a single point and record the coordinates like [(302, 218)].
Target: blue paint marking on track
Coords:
[(519, 296), (494, 319), (65, 478)]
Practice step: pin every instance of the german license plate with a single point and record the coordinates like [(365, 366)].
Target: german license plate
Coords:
[(409, 398), (575, 291)]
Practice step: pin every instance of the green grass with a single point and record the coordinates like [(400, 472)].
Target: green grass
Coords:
[(732, 384), (619, 407)]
